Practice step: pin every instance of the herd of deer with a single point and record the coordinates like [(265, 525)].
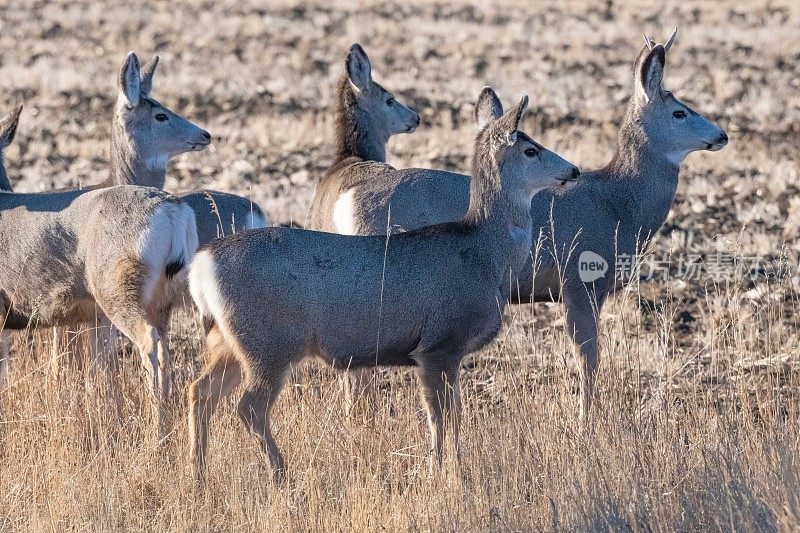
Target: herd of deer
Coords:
[(406, 267)]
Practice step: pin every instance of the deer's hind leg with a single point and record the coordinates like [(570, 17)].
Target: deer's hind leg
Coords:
[(122, 298), (5, 354), (254, 410), (266, 361), (221, 375)]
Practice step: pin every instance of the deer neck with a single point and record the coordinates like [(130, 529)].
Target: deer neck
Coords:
[(366, 142), (356, 135), (5, 185), (501, 223), (642, 180), (128, 167), (371, 145)]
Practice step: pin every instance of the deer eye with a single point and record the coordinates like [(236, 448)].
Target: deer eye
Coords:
[(390, 102), (532, 152), (161, 117), (679, 114)]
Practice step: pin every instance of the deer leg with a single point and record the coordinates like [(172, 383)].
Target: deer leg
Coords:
[(221, 375), (218, 380), (441, 393), (103, 343), (153, 353), (164, 356), (254, 410), (5, 354), (357, 384), (123, 299), (582, 318)]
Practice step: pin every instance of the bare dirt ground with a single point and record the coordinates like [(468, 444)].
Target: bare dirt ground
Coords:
[(700, 428)]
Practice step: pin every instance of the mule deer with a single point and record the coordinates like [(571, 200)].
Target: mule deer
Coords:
[(367, 115), (425, 298), (612, 212), (145, 135), (615, 211), (120, 249)]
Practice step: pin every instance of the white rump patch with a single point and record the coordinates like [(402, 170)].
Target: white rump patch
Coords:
[(171, 236), (203, 286), (189, 224), (255, 221), (343, 214), (155, 245)]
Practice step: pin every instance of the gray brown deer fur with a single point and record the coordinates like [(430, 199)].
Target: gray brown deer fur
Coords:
[(359, 177), (364, 122), (145, 135), (8, 128), (119, 251), (426, 298), (612, 211)]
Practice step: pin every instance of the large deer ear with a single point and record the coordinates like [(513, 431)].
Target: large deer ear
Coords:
[(8, 127), (147, 76), (649, 72), (488, 108), (130, 81), (671, 40), (506, 126), (359, 70)]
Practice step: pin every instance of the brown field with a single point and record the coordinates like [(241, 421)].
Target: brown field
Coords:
[(700, 427)]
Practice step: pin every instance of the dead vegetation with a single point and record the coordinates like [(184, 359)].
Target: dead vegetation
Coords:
[(700, 428)]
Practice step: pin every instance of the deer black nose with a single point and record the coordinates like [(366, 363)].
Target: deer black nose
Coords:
[(207, 135)]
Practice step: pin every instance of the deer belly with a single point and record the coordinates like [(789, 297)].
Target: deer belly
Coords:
[(484, 333), (370, 351), (11, 318), (82, 311)]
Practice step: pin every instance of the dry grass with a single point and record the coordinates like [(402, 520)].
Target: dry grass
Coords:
[(700, 428)]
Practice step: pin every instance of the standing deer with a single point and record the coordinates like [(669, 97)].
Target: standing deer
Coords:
[(353, 198), (426, 298), (367, 115), (145, 135), (120, 249), (613, 211)]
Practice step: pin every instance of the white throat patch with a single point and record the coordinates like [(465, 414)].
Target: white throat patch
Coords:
[(518, 234), (677, 158), (158, 162)]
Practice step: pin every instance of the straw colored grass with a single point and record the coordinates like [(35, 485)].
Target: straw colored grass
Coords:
[(700, 421)]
